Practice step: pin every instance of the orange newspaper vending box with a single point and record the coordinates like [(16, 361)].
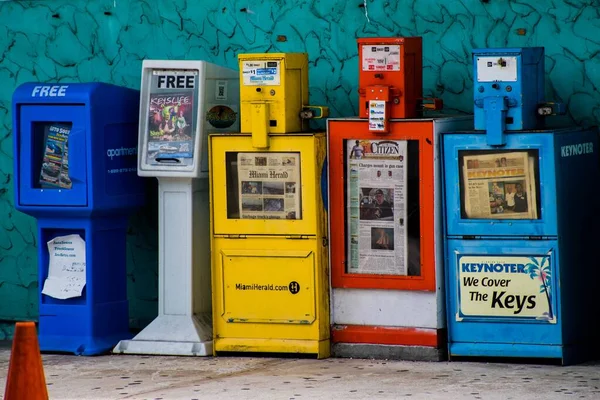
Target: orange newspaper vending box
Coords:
[(385, 215)]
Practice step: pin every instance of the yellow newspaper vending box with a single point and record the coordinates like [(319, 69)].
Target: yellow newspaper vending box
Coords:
[(268, 220)]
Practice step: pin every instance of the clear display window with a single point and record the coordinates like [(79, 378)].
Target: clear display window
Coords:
[(51, 141), (171, 118), (263, 185), (499, 184), (382, 207)]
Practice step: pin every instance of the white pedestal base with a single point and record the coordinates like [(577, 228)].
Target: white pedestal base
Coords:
[(184, 324), (172, 335)]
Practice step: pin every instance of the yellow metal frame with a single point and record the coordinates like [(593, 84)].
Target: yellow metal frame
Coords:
[(284, 305), (310, 152), (282, 103)]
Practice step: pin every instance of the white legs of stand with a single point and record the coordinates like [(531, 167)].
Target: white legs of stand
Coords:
[(183, 325)]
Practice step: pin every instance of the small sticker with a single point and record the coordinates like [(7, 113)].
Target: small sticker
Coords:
[(221, 90), (294, 287), (380, 58), (221, 117), (496, 69), (261, 73), (377, 115)]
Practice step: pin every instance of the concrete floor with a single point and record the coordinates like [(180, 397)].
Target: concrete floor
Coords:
[(145, 377)]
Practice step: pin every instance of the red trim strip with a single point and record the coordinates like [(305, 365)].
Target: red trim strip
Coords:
[(387, 335)]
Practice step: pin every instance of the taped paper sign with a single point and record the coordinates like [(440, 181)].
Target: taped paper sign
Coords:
[(66, 272)]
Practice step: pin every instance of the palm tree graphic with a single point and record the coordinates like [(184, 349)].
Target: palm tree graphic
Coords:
[(544, 274)]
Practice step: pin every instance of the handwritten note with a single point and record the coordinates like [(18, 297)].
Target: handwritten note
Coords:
[(66, 272)]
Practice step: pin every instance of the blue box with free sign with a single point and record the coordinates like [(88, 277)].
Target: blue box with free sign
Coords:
[(75, 168)]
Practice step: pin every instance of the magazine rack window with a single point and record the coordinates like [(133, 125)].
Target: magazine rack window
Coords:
[(461, 217), (499, 184), (263, 185), (382, 209), (40, 176)]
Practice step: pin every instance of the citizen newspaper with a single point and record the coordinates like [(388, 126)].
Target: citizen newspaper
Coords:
[(376, 206), (500, 186), (269, 185)]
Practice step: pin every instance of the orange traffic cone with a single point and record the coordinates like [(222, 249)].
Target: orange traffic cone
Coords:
[(25, 378)]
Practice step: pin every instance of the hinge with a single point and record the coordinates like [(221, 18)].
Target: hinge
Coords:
[(296, 237), (234, 236), (471, 237), (539, 237)]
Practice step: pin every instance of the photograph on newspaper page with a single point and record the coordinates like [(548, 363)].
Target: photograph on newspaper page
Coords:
[(499, 186), (269, 185), (376, 207)]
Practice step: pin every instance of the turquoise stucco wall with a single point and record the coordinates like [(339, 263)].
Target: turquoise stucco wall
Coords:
[(106, 40)]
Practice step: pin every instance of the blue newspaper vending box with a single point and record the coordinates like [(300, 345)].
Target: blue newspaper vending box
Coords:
[(520, 221), (75, 157)]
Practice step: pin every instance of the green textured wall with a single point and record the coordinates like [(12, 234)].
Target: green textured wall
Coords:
[(101, 40)]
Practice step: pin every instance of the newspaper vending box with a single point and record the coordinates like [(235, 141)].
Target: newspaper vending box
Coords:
[(181, 102), (385, 228), (268, 221), (75, 171), (520, 255)]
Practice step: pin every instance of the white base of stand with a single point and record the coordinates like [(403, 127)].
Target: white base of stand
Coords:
[(184, 324), (172, 335)]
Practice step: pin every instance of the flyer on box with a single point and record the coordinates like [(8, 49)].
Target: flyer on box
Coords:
[(55, 164), (269, 185), (67, 267), (376, 207), (500, 186)]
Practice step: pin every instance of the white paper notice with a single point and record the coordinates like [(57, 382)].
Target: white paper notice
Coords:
[(66, 273)]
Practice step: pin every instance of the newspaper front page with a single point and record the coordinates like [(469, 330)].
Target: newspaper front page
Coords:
[(500, 186), (376, 206), (269, 185)]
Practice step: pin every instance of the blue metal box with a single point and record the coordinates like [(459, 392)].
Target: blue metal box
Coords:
[(520, 278), (75, 166)]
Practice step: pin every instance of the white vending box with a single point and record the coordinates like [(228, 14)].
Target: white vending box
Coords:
[(181, 103)]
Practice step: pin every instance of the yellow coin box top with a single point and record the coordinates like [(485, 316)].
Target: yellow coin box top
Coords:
[(273, 90)]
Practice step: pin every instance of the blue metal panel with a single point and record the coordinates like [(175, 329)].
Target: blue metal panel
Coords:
[(74, 93), (577, 168), (115, 186), (456, 225), (504, 330), (97, 320), (474, 349), (31, 149), (102, 142)]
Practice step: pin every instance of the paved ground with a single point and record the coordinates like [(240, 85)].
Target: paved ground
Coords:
[(144, 377)]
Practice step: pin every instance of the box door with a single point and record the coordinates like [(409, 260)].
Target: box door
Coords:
[(500, 192), (52, 166), (503, 291), (274, 192)]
